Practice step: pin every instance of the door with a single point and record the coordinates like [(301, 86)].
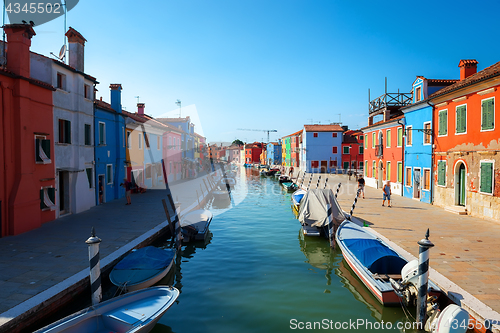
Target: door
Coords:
[(324, 166), (63, 192), (461, 185), (102, 189), (416, 183), (380, 182)]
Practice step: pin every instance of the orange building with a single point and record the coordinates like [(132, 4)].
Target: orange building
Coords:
[(27, 182), (466, 122)]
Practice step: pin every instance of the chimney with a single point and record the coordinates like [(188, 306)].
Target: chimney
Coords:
[(140, 108), (18, 48), (76, 49), (467, 68), (116, 97)]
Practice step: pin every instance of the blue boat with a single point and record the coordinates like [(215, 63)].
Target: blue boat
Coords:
[(136, 312), (142, 268), (374, 262)]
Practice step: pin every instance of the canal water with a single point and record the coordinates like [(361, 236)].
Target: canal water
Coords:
[(257, 273)]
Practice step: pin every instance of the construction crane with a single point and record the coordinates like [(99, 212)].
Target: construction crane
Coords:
[(256, 130)]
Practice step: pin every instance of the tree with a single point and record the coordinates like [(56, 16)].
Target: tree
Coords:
[(238, 142)]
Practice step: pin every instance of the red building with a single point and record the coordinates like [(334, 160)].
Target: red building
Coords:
[(252, 152), (467, 145), (27, 184), (352, 150)]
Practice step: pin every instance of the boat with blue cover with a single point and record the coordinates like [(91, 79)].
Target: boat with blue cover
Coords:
[(142, 268), (135, 312), (374, 262)]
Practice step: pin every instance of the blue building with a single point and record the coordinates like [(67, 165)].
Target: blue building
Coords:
[(417, 175), (321, 148), (109, 147), (274, 153)]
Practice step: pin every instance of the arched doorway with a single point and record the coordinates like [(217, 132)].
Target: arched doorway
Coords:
[(460, 179), (380, 182)]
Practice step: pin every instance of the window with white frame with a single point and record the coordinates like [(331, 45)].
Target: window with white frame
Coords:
[(109, 174), (400, 172), (488, 114), (42, 150), (64, 131), (442, 122), (400, 137), (427, 179), (102, 134), (461, 119), (139, 138), (346, 149), (47, 198), (388, 171), (373, 139), (441, 173), (86, 91), (486, 176), (388, 138), (408, 176), (61, 81), (88, 134), (427, 133), (409, 135)]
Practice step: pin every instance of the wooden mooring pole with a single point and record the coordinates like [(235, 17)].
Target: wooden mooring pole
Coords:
[(95, 267)]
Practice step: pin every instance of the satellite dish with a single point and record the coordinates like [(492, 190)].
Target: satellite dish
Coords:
[(62, 52)]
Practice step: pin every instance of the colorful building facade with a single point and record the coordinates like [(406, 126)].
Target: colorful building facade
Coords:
[(321, 148), (352, 150), (274, 153)]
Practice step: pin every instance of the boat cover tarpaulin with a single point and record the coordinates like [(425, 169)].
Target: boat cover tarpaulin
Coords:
[(313, 208), (148, 257), (374, 255)]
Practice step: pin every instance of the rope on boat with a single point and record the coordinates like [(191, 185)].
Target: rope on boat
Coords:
[(338, 188)]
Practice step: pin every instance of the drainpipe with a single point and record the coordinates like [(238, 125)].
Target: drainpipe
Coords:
[(432, 153), (402, 159), (5, 211)]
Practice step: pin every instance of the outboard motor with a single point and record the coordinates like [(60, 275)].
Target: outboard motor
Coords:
[(407, 289)]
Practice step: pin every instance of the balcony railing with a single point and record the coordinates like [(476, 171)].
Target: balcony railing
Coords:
[(388, 100), (379, 150)]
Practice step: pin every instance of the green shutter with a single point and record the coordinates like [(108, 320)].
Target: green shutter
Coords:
[(37, 151), (442, 173), (486, 177), (488, 115), (443, 122), (52, 194), (400, 172), (461, 125)]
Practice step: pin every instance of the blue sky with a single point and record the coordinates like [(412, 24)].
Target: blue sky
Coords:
[(272, 64)]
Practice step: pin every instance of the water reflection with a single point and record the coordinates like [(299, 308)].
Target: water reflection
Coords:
[(318, 254)]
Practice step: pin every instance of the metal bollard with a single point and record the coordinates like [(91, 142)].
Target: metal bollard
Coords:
[(423, 277), (95, 268)]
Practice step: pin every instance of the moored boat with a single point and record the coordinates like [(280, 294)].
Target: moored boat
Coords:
[(296, 198), (135, 312), (195, 225), (142, 268), (284, 179), (374, 262), (289, 186)]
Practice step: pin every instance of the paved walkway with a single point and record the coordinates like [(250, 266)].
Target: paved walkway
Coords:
[(37, 260), (466, 251)]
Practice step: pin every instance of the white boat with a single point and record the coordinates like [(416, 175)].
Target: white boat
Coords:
[(135, 312), (313, 212), (142, 268), (195, 224)]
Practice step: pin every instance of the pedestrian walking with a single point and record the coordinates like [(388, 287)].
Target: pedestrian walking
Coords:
[(126, 184), (101, 191), (387, 194), (361, 185), (290, 172)]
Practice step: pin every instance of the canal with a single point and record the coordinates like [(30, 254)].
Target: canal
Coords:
[(257, 273)]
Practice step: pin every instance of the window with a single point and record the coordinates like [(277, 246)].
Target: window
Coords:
[(334, 135), (373, 139), (61, 81), (441, 170), (366, 168), (314, 164), (366, 141), (443, 122), (461, 123), (418, 93), (486, 177), (400, 137), (128, 139), (487, 114), (86, 91), (47, 198), (408, 177), (158, 142), (109, 174), (88, 134), (388, 171), (102, 134), (346, 165), (400, 172), (334, 150), (346, 150), (388, 138), (42, 150), (427, 179), (374, 168), (64, 131), (148, 171), (409, 139), (139, 137), (315, 135), (333, 164), (90, 177), (361, 149), (360, 138), (427, 135)]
